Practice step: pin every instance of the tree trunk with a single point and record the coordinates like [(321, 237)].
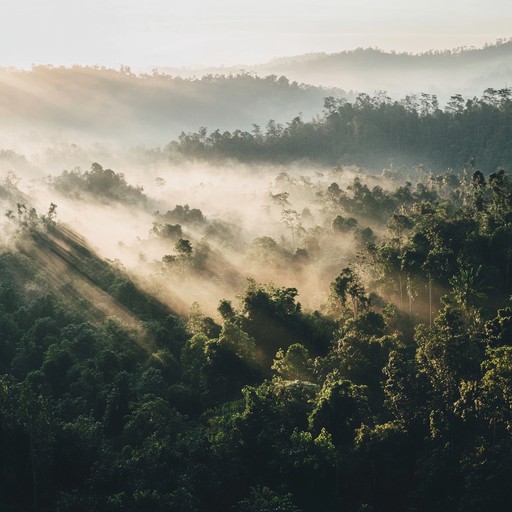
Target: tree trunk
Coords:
[(401, 290), (430, 300)]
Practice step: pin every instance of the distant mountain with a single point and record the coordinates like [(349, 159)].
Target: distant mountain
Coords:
[(468, 71), (99, 104), (108, 105)]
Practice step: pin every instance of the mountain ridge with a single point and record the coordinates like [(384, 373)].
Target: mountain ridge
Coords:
[(462, 70)]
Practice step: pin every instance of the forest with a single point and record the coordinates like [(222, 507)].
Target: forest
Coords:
[(354, 352), (375, 131), (444, 72), (143, 108), (255, 257)]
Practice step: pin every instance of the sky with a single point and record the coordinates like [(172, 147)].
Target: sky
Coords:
[(192, 33)]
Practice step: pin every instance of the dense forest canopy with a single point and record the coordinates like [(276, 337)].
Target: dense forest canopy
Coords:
[(292, 311), (375, 132), (90, 104), (394, 394)]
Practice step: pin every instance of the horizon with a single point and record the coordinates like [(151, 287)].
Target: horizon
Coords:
[(231, 67), (207, 34)]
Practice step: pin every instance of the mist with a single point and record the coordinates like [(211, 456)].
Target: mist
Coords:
[(466, 70), (279, 285), (268, 223), (118, 183), (95, 105)]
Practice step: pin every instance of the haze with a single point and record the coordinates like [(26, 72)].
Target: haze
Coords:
[(68, 111), (225, 32)]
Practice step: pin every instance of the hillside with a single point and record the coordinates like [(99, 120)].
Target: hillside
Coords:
[(393, 396), (375, 132), (465, 70), (103, 104)]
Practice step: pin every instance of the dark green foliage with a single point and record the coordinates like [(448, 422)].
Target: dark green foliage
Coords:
[(182, 215), (262, 499), (274, 319), (376, 131), (167, 231), (343, 225), (396, 397)]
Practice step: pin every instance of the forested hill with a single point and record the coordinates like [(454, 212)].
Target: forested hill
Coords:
[(376, 132), (464, 70), (104, 104), (394, 397)]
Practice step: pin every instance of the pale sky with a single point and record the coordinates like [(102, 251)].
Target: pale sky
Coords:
[(150, 33)]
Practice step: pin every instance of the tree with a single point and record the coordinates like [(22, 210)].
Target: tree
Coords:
[(467, 291), (263, 499), (496, 391), (49, 219), (347, 285), (294, 364), (339, 408), (183, 248), (292, 219)]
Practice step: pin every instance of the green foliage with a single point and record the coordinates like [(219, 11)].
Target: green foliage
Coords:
[(496, 387), (275, 320), (181, 215), (402, 402), (295, 364), (348, 285), (376, 131), (387, 485), (263, 499), (339, 408), (99, 183)]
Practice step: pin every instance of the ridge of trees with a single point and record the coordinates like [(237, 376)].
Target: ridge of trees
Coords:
[(374, 403), (146, 108), (374, 131), (99, 183), (502, 45)]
